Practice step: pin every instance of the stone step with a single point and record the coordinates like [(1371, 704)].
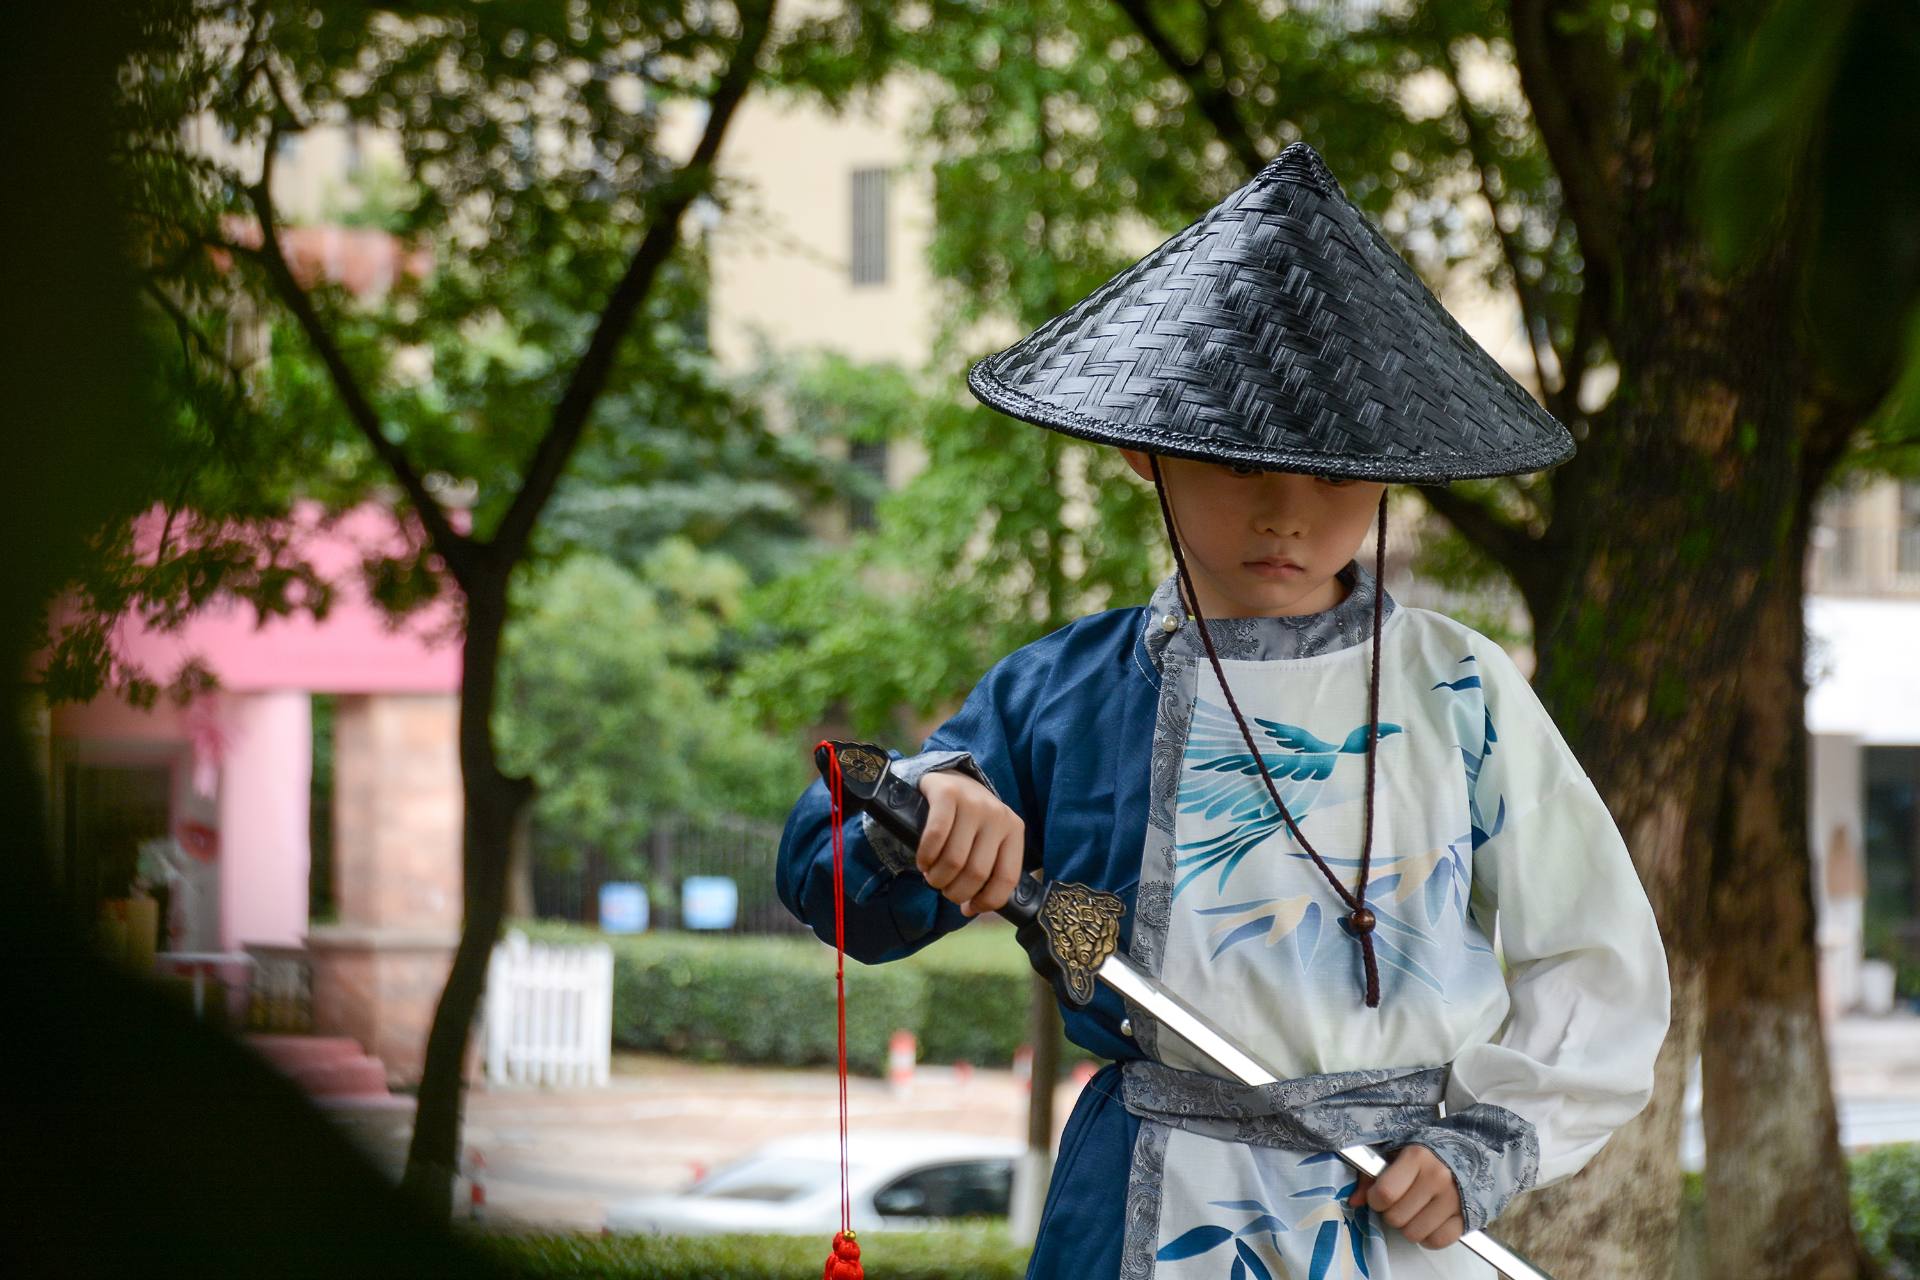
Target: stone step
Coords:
[(348, 1102), (290, 1051), (324, 1066), (361, 1075)]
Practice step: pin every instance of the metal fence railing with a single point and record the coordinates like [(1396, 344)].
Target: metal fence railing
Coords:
[(721, 862)]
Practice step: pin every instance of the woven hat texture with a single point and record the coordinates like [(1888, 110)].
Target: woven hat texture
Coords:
[(1281, 330)]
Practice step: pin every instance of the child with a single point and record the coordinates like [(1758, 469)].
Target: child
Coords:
[(1314, 802)]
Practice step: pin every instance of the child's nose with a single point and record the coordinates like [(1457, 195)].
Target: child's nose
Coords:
[(1286, 499)]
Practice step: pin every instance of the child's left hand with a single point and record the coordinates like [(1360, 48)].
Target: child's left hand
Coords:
[(1417, 1194)]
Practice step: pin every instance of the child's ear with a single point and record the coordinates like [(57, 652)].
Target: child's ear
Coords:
[(1138, 461)]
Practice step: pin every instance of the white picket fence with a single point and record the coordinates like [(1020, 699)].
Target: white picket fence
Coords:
[(548, 1012)]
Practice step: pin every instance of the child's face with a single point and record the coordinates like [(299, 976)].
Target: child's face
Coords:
[(1234, 523)]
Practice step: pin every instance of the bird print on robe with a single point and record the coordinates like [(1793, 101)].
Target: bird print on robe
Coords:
[(1476, 737), (1409, 893), (1220, 777)]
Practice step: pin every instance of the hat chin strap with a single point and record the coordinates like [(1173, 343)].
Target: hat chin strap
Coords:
[(1359, 920)]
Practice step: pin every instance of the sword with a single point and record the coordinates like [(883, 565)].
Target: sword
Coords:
[(1071, 933)]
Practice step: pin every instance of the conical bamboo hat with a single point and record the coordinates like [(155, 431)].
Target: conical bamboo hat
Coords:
[(1281, 330)]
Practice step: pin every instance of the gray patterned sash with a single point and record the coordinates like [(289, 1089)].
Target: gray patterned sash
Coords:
[(1492, 1153), (1380, 1105)]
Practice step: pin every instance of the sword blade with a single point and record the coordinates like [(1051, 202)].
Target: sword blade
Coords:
[(1236, 1060)]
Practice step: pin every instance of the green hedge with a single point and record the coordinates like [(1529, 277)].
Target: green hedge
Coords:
[(1885, 1188), (961, 1253), (770, 1000), (1886, 1206), (748, 999)]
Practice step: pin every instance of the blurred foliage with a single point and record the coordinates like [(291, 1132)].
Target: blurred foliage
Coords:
[(1481, 596), (517, 154), (1884, 1187), (998, 540), (609, 702), (1886, 1207), (1816, 107), (1062, 146)]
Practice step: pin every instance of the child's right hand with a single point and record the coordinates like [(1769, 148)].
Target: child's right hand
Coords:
[(973, 846)]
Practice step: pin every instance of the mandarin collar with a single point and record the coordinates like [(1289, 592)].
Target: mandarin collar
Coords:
[(1252, 639)]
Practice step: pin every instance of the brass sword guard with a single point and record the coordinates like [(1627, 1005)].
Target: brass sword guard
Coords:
[(1068, 930)]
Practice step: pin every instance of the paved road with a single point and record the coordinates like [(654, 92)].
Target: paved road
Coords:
[(559, 1157)]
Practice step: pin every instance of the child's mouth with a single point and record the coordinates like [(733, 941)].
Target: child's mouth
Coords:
[(1273, 568)]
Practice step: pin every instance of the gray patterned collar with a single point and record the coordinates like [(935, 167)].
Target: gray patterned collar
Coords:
[(1348, 623)]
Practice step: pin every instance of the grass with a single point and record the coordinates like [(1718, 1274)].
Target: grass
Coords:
[(983, 1252)]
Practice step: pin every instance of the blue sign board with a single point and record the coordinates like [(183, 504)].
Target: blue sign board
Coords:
[(709, 902), (623, 907)]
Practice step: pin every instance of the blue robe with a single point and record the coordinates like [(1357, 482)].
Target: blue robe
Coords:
[(1115, 770), (1083, 796)]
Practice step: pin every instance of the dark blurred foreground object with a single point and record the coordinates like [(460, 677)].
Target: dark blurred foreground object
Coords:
[(133, 1141), (139, 1142), (1820, 102)]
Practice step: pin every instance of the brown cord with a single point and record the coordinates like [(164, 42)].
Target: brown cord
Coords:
[(1360, 920)]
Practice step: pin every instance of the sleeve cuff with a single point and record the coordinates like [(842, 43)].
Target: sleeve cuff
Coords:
[(894, 854), (1492, 1153)]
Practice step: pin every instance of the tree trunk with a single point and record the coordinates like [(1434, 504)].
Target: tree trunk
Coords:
[(1682, 502), (1043, 1030), (493, 802), (520, 904), (1776, 1181), (664, 892)]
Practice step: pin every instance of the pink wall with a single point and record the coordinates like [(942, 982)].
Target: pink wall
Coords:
[(352, 651), (245, 753), (263, 819)]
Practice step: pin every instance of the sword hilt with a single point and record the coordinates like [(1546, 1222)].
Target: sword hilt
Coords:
[(1067, 929)]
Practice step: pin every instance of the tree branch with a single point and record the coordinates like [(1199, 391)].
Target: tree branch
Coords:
[(190, 335), (590, 376), (1530, 305), (454, 548), (1215, 103), (243, 65), (1564, 402), (1507, 544), (1557, 73)]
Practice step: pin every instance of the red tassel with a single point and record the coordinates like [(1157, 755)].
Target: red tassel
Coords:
[(844, 1262)]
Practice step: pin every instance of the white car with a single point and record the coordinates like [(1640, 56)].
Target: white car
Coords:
[(898, 1180)]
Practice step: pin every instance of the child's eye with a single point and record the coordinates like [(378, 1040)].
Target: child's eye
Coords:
[(1239, 470), (1336, 480)]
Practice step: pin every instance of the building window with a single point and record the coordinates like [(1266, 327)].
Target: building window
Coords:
[(869, 226), (1906, 552), (870, 462), (1836, 541)]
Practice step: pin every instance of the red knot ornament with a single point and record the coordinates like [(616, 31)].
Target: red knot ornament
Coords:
[(844, 1262)]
